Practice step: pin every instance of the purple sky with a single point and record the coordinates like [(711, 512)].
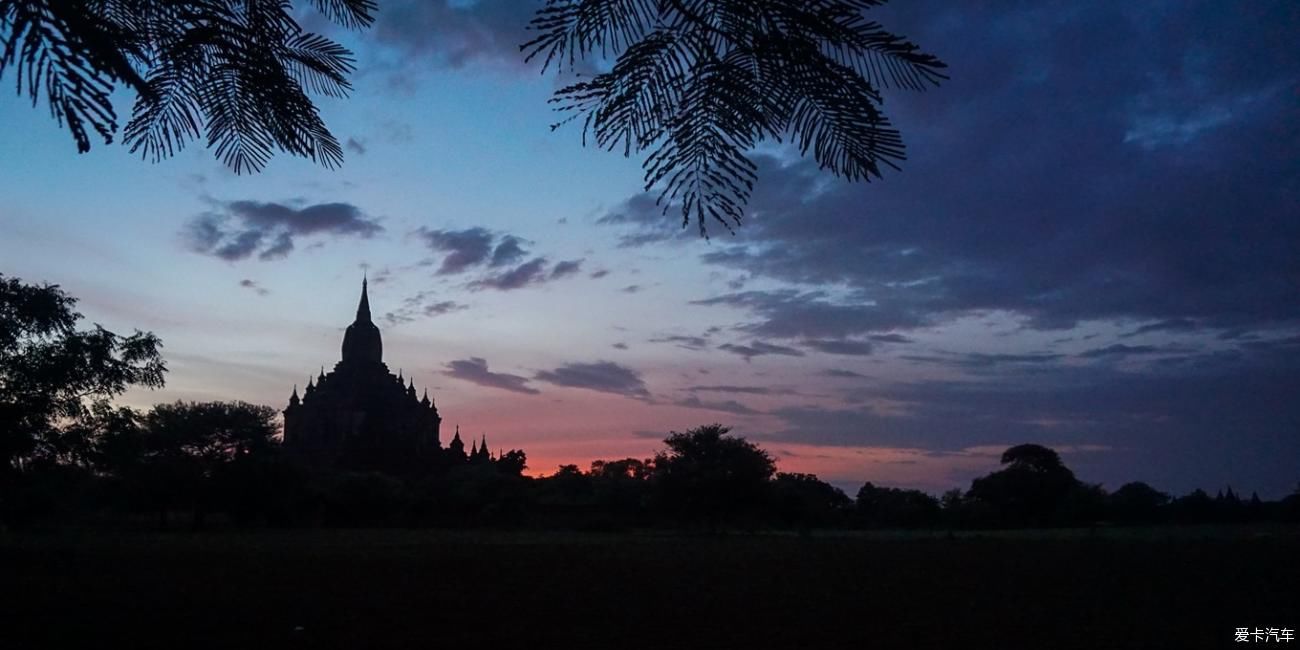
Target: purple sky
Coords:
[(1092, 245)]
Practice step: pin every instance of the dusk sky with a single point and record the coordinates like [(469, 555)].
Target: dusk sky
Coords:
[(1093, 245)]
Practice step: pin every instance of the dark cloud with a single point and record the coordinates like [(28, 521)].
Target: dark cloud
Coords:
[(890, 338), (279, 249), (620, 346), (464, 249), (602, 376), (1120, 350), (644, 222), (790, 313), (526, 274), (479, 248), (235, 230), (1124, 166), (508, 251), (567, 267), (631, 288), (842, 373), (840, 346), (475, 370), (454, 34), (356, 146), (686, 342), (759, 348), (424, 303), (727, 406), (979, 360), (1167, 325), (444, 307), (254, 287), (1214, 412), (1064, 180), (596, 275), (1287, 344), (744, 390)]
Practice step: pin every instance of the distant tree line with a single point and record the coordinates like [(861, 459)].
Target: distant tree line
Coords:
[(68, 455)]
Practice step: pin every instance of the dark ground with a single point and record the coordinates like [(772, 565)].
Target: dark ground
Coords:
[(1165, 588)]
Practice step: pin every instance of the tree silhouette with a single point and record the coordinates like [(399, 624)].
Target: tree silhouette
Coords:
[(1032, 487), (804, 500), (1137, 501), (233, 72), (695, 84), (51, 374), (1033, 458), (512, 462), (190, 449), (705, 474), (885, 506), (213, 432)]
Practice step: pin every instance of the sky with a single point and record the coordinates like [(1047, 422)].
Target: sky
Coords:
[(1092, 245)]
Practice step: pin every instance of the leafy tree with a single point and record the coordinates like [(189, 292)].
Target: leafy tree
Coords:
[(1084, 504), (1289, 506), (1137, 502), (708, 475), (1033, 458), (191, 448), (212, 432), (621, 487), (512, 462), (627, 468), (1196, 507), (567, 488), (52, 374), (952, 499), (804, 500), (235, 73), (1031, 488), (886, 506)]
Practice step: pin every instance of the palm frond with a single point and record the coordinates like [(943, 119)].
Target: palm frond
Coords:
[(570, 30), (235, 72), (697, 83), (352, 14)]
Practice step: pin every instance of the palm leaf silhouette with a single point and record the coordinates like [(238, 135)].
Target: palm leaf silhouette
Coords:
[(236, 73), (695, 84)]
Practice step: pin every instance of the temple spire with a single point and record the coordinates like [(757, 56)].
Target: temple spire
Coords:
[(363, 308), (361, 341)]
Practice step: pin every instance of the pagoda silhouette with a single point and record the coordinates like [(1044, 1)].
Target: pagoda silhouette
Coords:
[(360, 416)]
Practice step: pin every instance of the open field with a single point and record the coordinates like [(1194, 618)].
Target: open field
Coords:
[(1177, 588)]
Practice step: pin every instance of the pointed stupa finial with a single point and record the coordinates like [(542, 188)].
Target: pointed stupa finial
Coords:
[(425, 401), (322, 375), (293, 399), (363, 308), (400, 379)]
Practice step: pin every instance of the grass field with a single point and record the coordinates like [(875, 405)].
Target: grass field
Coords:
[(1165, 588)]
